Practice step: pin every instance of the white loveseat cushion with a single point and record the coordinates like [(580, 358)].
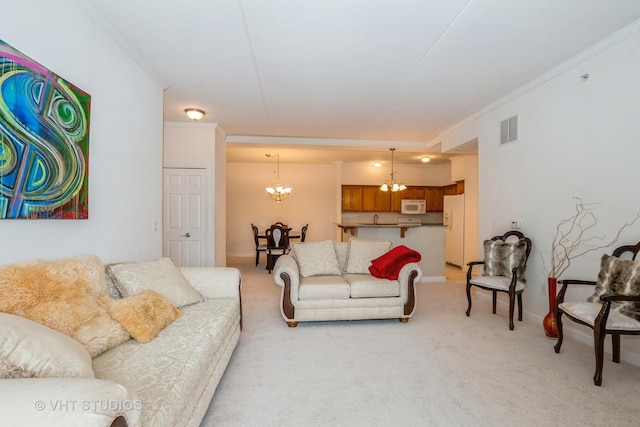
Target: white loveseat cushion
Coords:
[(323, 287), (588, 311), (362, 252), (365, 286), (317, 259)]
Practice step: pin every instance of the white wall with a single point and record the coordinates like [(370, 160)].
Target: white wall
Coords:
[(577, 139), (311, 202), (125, 145), (423, 174), (202, 145)]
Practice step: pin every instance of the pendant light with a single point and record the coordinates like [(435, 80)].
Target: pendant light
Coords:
[(391, 184), (278, 193)]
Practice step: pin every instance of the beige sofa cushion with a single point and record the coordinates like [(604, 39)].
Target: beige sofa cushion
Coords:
[(162, 276), (323, 287), (317, 259), (362, 252), (366, 286), (29, 349)]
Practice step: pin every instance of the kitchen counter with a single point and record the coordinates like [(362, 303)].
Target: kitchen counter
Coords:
[(428, 239)]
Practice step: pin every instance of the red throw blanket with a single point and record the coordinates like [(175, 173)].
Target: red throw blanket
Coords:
[(389, 265)]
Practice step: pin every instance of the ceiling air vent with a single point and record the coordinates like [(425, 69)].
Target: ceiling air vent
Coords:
[(509, 130)]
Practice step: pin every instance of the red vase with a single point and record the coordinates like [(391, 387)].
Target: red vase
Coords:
[(549, 322)]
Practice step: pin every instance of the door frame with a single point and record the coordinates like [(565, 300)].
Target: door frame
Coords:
[(209, 205)]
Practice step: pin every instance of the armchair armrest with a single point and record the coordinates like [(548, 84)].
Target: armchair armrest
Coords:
[(470, 269), (214, 282), (567, 282), (617, 297), (66, 402)]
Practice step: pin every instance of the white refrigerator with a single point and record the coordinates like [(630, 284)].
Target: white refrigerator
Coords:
[(453, 221)]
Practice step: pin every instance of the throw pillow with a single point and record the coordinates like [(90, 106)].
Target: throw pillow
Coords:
[(144, 315), (500, 258), (162, 276), (68, 295), (622, 277), (29, 349), (317, 259), (362, 252)]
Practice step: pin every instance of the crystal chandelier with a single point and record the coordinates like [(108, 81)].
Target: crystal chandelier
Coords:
[(278, 193), (391, 184)]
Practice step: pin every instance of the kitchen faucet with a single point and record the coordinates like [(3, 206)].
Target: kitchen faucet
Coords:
[(375, 219)]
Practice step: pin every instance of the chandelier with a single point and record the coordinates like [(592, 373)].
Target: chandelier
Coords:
[(278, 193), (391, 183)]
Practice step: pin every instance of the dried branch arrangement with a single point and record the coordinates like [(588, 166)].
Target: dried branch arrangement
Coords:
[(572, 240)]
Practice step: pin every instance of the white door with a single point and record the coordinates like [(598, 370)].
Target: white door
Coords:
[(185, 222)]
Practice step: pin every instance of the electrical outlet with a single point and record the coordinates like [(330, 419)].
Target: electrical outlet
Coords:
[(517, 224), (155, 225)]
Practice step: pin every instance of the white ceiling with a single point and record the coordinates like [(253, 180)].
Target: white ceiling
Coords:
[(368, 74)]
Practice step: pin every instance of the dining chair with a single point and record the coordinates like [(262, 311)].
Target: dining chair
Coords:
[(303, 233), (277, 244), (505, 261), (259, 247)]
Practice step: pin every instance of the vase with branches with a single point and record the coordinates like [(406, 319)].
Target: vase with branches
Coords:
[(573, 240)]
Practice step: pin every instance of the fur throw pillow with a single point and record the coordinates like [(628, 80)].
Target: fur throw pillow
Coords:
[(622, 277), (68, 295), (500, 258), (144, 315)]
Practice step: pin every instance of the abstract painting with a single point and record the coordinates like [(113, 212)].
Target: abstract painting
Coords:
[(44, 142)]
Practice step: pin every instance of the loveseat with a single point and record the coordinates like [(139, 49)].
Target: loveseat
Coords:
[(330, 280), (145, 344)]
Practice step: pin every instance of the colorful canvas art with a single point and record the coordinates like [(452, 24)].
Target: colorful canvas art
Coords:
[(44, 142)]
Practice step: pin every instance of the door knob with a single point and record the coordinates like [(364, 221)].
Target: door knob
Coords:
[(186, 235)]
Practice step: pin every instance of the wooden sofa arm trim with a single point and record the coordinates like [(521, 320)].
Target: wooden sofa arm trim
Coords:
[(287, 308), (120, 421), (411, 297)]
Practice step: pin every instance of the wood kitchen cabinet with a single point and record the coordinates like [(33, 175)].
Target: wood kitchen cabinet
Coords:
[(369, 198), (375, 200), (352, 198)]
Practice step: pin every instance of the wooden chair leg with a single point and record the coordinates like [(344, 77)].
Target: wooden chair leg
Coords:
[(598, 341), (560, 335), (257, 258), (615, 341), (520, 307), (512, 303), (495, 298), (469, 298)]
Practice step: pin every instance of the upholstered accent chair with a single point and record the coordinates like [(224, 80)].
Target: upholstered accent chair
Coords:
[(260, 247), (614, 307), (505, 261)]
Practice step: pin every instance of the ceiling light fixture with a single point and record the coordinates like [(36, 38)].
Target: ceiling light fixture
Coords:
[(377, 164), (425, 159), (391, 184), (278, 193), (195, 114)]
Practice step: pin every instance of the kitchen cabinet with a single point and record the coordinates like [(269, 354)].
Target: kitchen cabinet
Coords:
[(369, 198), (352, 198), (375, 200)]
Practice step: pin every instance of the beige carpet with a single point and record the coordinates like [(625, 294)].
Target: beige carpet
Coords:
[(440, 369)]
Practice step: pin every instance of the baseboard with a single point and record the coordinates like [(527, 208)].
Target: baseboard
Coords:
[(584, 336)]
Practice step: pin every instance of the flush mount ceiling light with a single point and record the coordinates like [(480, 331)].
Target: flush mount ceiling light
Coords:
[(391, 184), (377, 164), (279, 193), (425, 159), (195, 114)]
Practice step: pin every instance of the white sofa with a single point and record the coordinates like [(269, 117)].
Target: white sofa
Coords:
[(168, 381), (314, 288)]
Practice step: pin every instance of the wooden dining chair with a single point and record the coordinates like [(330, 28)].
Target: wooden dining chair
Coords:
[(277, 244), (259, 247), (303, 233)]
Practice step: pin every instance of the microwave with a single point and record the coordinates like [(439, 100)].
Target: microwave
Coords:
[(413, 206)]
